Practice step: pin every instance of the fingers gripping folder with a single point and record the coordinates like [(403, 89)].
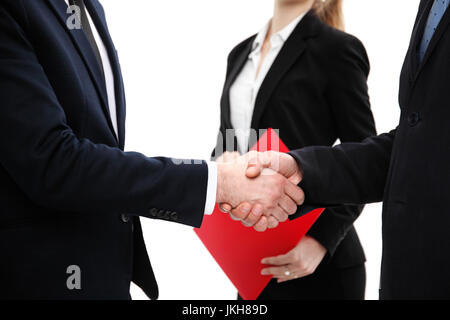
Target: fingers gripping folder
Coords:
[(239, 250)]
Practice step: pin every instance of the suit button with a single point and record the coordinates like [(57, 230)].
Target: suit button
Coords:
[(154, 212), (413, 119), (125, 218), (174, 216), (161, 214)]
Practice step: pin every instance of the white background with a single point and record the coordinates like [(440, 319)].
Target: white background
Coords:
[(173, 56)]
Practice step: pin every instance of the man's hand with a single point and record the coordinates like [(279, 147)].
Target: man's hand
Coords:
[(227, 157), (268, 197), (300, 262), (282, 163), (257, 212)]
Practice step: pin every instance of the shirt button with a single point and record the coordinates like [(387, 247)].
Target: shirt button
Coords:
[(125, 218), (413, 119)]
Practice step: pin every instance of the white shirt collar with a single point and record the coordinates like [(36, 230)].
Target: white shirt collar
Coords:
[(278, 38)]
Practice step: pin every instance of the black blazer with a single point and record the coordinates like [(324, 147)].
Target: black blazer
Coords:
[(408, 169), (315, 93), (69, 194)]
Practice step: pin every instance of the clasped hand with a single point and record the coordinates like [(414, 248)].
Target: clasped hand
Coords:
[(259, 189)]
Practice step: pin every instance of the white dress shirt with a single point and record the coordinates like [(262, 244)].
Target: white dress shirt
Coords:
[(109, 79), (244, 91)]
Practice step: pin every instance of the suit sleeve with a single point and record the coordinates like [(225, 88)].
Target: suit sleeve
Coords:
[(350, 105), (351, 173), (58, 170)]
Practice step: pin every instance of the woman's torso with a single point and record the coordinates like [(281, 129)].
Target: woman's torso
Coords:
[(306, 96)]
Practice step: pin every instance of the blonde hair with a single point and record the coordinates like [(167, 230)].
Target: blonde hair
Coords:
[(330, 12)]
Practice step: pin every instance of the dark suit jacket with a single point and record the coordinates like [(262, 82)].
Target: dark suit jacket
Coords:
[(407, 168), (315, 93), (69, 194)]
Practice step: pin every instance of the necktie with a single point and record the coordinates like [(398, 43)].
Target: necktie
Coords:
[(436, 14), (87, 29)]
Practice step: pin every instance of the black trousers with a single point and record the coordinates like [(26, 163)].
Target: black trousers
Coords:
[(327, 283)]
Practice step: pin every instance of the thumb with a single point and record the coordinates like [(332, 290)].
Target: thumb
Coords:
[(254, 167)]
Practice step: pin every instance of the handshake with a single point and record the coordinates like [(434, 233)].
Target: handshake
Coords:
[(259, 189)]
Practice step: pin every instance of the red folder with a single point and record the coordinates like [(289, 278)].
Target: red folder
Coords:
[(239, 250)]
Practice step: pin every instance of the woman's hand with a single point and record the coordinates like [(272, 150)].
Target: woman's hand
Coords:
[(300, 262)]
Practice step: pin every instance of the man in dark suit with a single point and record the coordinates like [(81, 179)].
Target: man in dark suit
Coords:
[(408, 168), (70, 197)]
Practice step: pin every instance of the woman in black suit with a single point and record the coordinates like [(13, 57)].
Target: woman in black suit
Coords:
[(308, 79)]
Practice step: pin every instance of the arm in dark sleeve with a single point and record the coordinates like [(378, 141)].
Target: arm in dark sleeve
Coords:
[(347, 95), (333, 225), (351, 173), (60, 171)]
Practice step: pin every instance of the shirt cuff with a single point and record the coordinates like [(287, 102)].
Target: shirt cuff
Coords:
[(211, 191)]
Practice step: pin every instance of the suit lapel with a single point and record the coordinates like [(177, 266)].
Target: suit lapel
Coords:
[(102, 28), (289, 54), (415, 66), (416, 37), (236, 68), (87, 54), (442, 27)]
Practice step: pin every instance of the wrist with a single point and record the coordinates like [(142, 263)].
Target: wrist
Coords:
[(292, 168), (230, 178), (320, 248), (221, 183)]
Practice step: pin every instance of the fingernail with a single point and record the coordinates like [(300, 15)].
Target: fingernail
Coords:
[(264, 272), (246, 209), (263, 261), (257, 211)]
